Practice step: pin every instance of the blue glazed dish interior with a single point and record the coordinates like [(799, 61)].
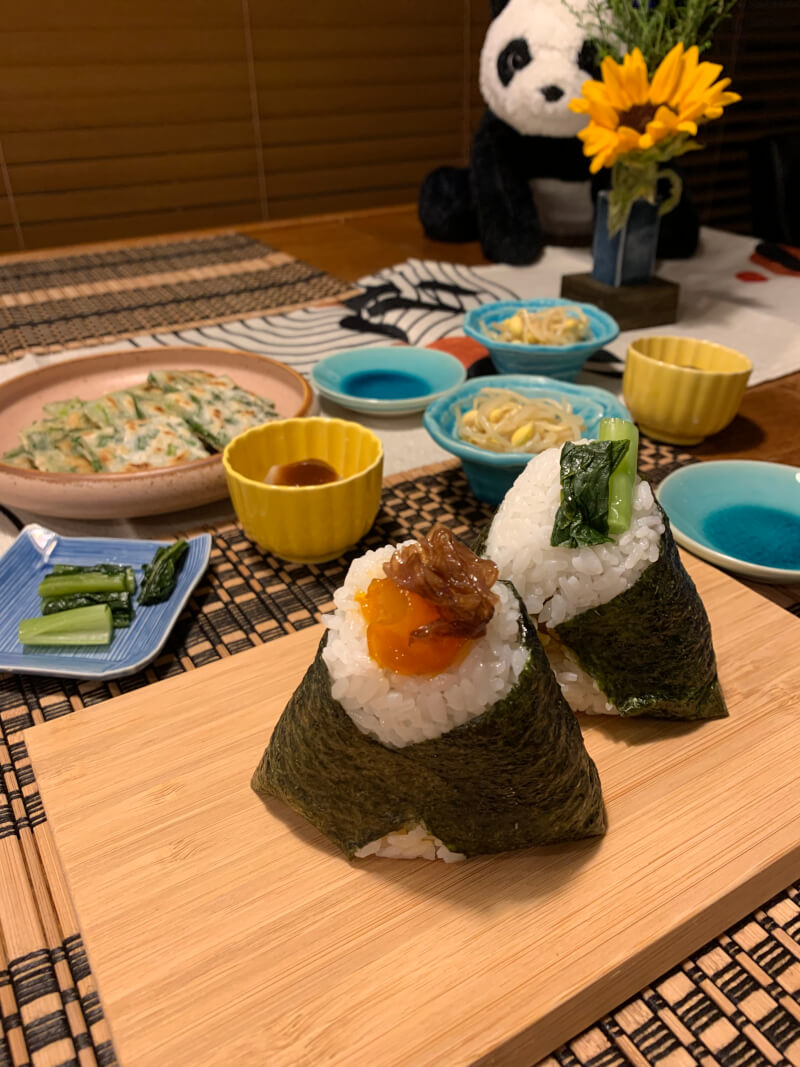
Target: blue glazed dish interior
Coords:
[(563, 362), (491, 474), (393, 378), (743, 515)]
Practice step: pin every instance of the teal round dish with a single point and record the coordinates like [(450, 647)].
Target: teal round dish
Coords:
[(387, 379), (491, 474), (563, 362), (743, 515)]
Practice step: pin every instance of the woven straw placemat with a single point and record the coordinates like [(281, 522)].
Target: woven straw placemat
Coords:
[(50, 303), (735, 1002)]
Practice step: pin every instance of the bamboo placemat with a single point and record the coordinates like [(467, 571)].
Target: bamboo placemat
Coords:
[(49, 303), (735, 1002)]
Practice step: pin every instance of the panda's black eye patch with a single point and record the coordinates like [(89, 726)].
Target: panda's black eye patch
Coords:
[(514, 57), (587, 59)]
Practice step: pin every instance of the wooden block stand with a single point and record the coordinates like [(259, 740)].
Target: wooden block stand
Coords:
[(652, 304)]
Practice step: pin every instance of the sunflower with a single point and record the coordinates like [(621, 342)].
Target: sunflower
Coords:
[(628, 112)]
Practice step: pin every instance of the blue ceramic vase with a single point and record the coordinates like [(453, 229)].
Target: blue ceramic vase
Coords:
[(629, 256)]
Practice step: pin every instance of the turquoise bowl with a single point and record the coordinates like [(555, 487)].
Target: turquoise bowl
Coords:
[(387, 379), (742, 514), (491, 474), (563, 362)]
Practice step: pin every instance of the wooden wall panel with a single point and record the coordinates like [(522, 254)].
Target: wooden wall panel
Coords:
[(91, 229), (8, 239), (141, 109), (122, 16), (132, 171), (117, 143), (87, 45), (281, 131), (124, 119)]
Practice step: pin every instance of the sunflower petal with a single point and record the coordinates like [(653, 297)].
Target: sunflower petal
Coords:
[(687, 77), (615, 84), (604, 115), (663, 125), (595, 91), (666, 116), (706, 75), (666, 78), (692, 110), (627, 138), (634, 72)]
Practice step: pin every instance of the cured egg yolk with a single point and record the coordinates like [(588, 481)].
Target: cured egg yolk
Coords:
[(392, 614)]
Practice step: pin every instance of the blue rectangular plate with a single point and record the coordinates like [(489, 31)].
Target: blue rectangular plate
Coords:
[(32, 556)]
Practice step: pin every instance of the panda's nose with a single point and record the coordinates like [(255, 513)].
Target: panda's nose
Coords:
[(551, 93)]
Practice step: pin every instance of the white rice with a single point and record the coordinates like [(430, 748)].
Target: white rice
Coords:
[(559, 583), (580, 690), (415, 844), (401, 710)]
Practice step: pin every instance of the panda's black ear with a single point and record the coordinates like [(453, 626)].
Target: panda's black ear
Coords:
[(496, 6), (587, 59)]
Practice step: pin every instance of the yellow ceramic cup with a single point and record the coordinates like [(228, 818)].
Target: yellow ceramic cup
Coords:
[(314, 523), (681, 390)]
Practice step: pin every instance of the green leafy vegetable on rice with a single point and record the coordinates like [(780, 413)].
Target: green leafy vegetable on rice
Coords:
[(582, 518)]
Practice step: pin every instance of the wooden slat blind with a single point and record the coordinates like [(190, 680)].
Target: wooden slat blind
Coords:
[(120, 119)]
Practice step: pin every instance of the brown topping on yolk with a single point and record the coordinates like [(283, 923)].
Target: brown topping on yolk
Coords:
[(435, 599)]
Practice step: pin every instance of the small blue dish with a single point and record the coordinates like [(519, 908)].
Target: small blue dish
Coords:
[(491, 474), (563, 362), (387, 379), (742, 514), (30, 558)]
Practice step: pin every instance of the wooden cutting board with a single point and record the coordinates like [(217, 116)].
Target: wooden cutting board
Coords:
[(223, 931)]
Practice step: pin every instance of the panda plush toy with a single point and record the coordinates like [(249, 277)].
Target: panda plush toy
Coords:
[(528, 181)]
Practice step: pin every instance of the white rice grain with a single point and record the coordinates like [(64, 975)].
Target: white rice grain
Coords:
[(414, 844)]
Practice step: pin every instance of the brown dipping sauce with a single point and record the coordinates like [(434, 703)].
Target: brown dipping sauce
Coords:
[(303, 472)]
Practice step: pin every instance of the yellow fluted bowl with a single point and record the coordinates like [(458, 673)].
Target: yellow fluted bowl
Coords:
[(314, 523), (681, 390)]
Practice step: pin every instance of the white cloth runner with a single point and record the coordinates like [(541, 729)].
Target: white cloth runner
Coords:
[(421, 301)]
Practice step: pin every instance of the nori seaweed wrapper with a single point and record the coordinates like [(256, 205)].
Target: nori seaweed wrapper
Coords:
[(514, 776), (649, 648)]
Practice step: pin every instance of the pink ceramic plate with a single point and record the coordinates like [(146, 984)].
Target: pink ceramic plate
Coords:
[(152, 492)]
